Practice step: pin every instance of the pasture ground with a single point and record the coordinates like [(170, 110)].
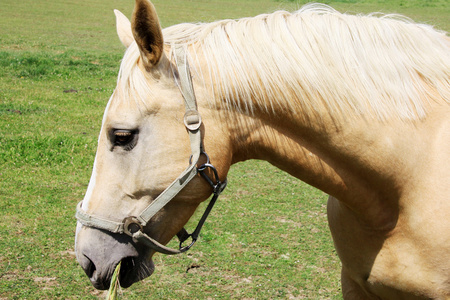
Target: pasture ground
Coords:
[(267, 237)]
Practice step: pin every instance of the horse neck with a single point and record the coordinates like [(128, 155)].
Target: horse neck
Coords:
[(304, 148), (344, 158)]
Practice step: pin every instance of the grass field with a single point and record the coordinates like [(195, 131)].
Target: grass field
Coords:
[(267, 237)]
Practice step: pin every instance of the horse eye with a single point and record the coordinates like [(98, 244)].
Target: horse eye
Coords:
[(124, 138)]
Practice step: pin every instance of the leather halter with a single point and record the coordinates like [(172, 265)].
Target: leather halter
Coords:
[(134, 225)]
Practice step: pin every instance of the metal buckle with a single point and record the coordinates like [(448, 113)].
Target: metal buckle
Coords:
[(192, 120)]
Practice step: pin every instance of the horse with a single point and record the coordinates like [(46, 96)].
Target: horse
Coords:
[(357, 106)]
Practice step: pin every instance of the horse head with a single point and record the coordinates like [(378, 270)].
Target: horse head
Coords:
[(143, 146)]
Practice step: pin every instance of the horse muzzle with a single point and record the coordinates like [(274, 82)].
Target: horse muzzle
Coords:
[(99, 252)]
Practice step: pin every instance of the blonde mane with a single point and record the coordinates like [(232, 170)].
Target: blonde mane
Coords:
[(384, 66)]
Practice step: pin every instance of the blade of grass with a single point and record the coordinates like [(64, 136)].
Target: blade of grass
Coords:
[(113, 287)]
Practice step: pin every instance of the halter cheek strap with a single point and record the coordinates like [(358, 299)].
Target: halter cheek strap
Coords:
[(134, 225)]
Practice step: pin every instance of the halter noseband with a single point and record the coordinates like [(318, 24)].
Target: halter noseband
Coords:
[(134, 226)]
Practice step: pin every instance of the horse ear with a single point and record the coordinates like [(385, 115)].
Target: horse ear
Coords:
[(147, 32), (123, 27)]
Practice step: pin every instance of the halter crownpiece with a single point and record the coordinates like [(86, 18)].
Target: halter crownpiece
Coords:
[(134, 226)]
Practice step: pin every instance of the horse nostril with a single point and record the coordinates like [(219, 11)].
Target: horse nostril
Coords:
[(89, 267), (91, 271)]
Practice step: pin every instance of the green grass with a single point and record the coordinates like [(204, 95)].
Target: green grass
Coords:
[(267, 237)]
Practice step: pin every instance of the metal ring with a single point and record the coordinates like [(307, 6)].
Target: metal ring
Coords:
[(205, 166), (131, 225), (201, 153)]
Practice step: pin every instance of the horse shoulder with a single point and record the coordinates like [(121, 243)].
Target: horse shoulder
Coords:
[(410, 260)]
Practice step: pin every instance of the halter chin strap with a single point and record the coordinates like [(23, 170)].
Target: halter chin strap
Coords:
[(134, 225)]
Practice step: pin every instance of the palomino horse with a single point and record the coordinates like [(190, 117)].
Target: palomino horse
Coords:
[(357, 106)]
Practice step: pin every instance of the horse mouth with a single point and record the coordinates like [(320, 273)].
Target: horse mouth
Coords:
[(132, 271)]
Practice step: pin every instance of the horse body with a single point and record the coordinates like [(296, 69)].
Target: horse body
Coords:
[(390, 224), (379, 145)]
